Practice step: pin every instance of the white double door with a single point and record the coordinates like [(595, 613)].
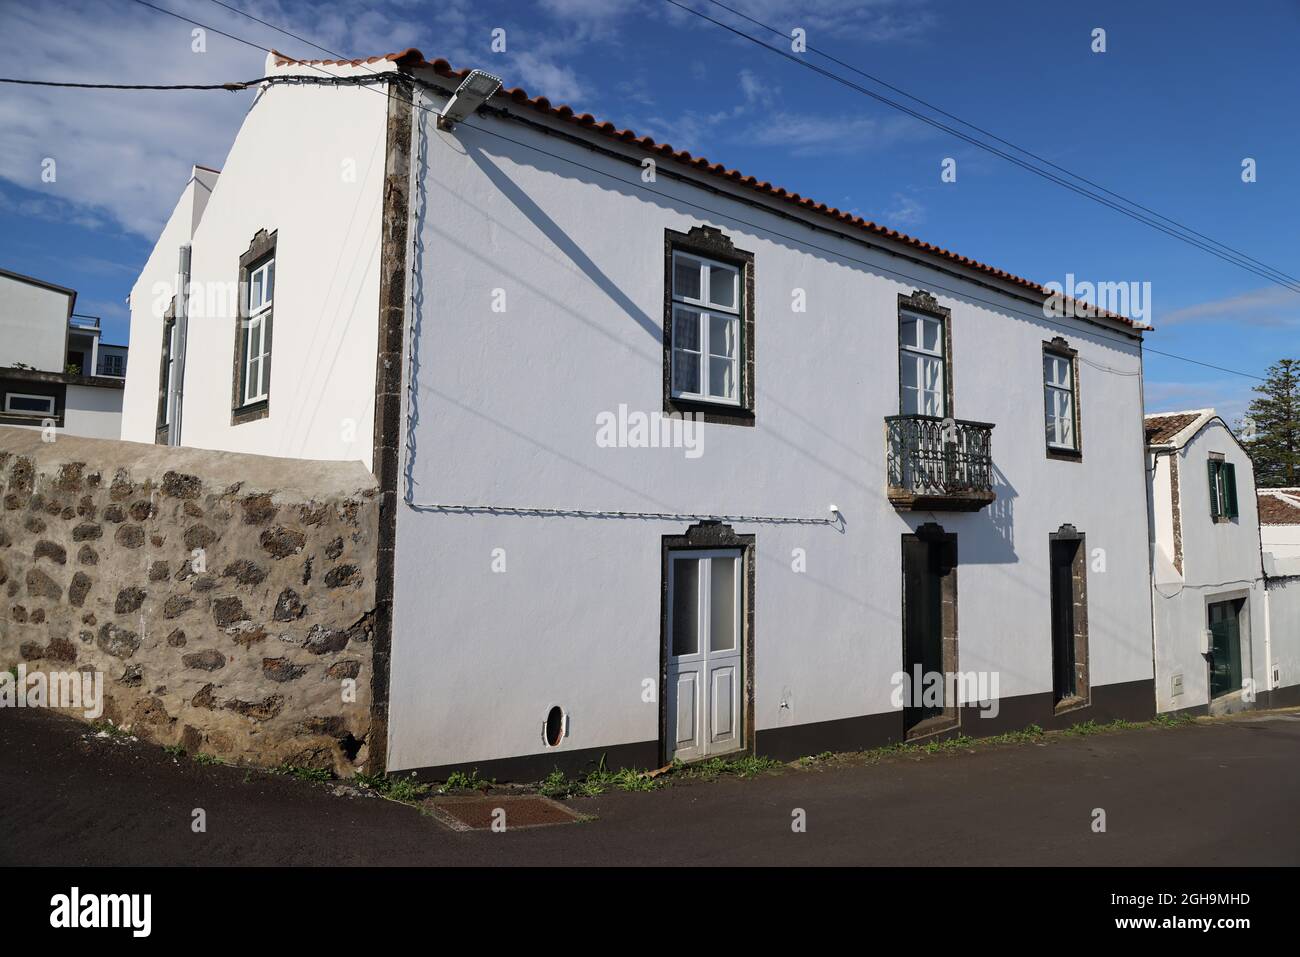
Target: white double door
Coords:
[(703, 697)]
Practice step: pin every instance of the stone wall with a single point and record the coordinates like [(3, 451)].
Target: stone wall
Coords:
[(226, 598)]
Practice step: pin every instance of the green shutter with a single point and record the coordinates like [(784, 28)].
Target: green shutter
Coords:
[(1213, 467), (1230, 486)]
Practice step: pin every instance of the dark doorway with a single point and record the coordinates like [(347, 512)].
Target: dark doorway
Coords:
[(929, 569), (1064, 685), (1225, 647)]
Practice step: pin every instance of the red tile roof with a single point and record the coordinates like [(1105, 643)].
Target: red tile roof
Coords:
[(1161, 428), (412, 58), (1276, 511)]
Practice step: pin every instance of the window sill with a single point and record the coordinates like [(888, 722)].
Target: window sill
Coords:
[(251, 412), (1064, 455), (721, 413)]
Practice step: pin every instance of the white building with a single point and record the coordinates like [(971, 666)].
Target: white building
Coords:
[(896, 458), (54, 370), (1279, 533), (1279, 521), (1208, 595)]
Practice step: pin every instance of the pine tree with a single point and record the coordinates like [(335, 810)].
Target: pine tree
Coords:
[(1275, 448)]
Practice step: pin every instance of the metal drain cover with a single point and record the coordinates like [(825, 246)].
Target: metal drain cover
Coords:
[(487, 812)]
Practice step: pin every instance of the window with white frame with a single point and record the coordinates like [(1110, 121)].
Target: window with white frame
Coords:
[(23, 404), (921, 365), (257, 332), (706, 304), (1059, 398)]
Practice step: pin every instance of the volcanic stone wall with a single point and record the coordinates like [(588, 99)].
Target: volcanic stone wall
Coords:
[(226, 598)]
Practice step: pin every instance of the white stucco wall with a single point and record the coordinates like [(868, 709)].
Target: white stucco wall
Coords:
[(33, 325), (308, 164), (1282, 540), (1221, 561), (504, 412), (1283, 601), (93, 412)]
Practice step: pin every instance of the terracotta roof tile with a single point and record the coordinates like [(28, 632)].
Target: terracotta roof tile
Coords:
[(1274, 510), (412, 58), (1161, 428)]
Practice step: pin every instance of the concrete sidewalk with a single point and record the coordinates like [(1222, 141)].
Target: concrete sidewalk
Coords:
[(1218, 792)]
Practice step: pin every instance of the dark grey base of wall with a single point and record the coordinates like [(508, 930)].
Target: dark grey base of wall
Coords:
[(1288, 697), (534, 767), (1131, 700)]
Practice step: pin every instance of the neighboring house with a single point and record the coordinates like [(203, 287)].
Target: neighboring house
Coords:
[(54, 370), (1279, 533), (1279, 521), (1208, 597), (674, 463)]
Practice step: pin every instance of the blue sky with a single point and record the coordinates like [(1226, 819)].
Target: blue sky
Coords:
[(1183, 93)]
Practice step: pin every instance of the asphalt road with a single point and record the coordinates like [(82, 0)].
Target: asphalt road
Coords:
[(1221, 792)]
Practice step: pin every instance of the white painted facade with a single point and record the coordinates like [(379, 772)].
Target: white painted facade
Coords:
[(33, 323), (1198, 560), (537, 306), (308, 166), (503, 409)]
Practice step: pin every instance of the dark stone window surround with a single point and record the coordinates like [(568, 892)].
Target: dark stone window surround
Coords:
[(1079, 571), (1061, 349), (712, 243), (705, 536), (934, 533), (927, 305), (260, 248), (160, 422)]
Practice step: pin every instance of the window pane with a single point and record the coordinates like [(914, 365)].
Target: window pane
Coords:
[(722, 377), (908, 370), (270, 281), (23, 403), (254, 375), (930, 328), (907, 331), (255, 291), (722, 604), (1051, 424), (686, 597), (686, 371), (686, 329), (722, 286), (933, 369), (722, 335), (686, 278), (254, 339)]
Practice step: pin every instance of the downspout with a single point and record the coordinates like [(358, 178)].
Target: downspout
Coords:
[(176, 384)]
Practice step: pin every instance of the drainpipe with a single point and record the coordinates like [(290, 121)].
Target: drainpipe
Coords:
[(176, 386)]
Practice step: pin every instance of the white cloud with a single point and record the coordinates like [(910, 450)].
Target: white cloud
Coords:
[(1270, 306)]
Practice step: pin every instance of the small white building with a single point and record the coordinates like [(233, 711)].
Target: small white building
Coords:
[(54, 370), (1207, 577), (1279, 533), (675, 463)]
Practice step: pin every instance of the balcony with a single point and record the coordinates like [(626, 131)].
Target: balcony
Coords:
[(939, 464)]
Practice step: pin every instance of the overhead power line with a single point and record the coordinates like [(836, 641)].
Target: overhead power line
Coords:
[(994, 136), (923, 281), (1241, 261)]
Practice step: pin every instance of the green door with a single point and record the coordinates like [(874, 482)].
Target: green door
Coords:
[(1225, 648)]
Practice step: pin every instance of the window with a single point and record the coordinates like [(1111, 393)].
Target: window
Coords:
[(166, 366), (254, 331), (1223, 490), (257, 334), (29, 404), (112, 364), (706, 329), (921, 365)]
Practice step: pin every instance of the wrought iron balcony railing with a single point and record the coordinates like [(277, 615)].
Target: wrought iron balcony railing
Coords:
[(939, 464)]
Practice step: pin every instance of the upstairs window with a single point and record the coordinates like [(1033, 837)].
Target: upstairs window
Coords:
[(706, 330), (257, 334), (1223, 490), (1059, 398), (921, 365), (254, 327)]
